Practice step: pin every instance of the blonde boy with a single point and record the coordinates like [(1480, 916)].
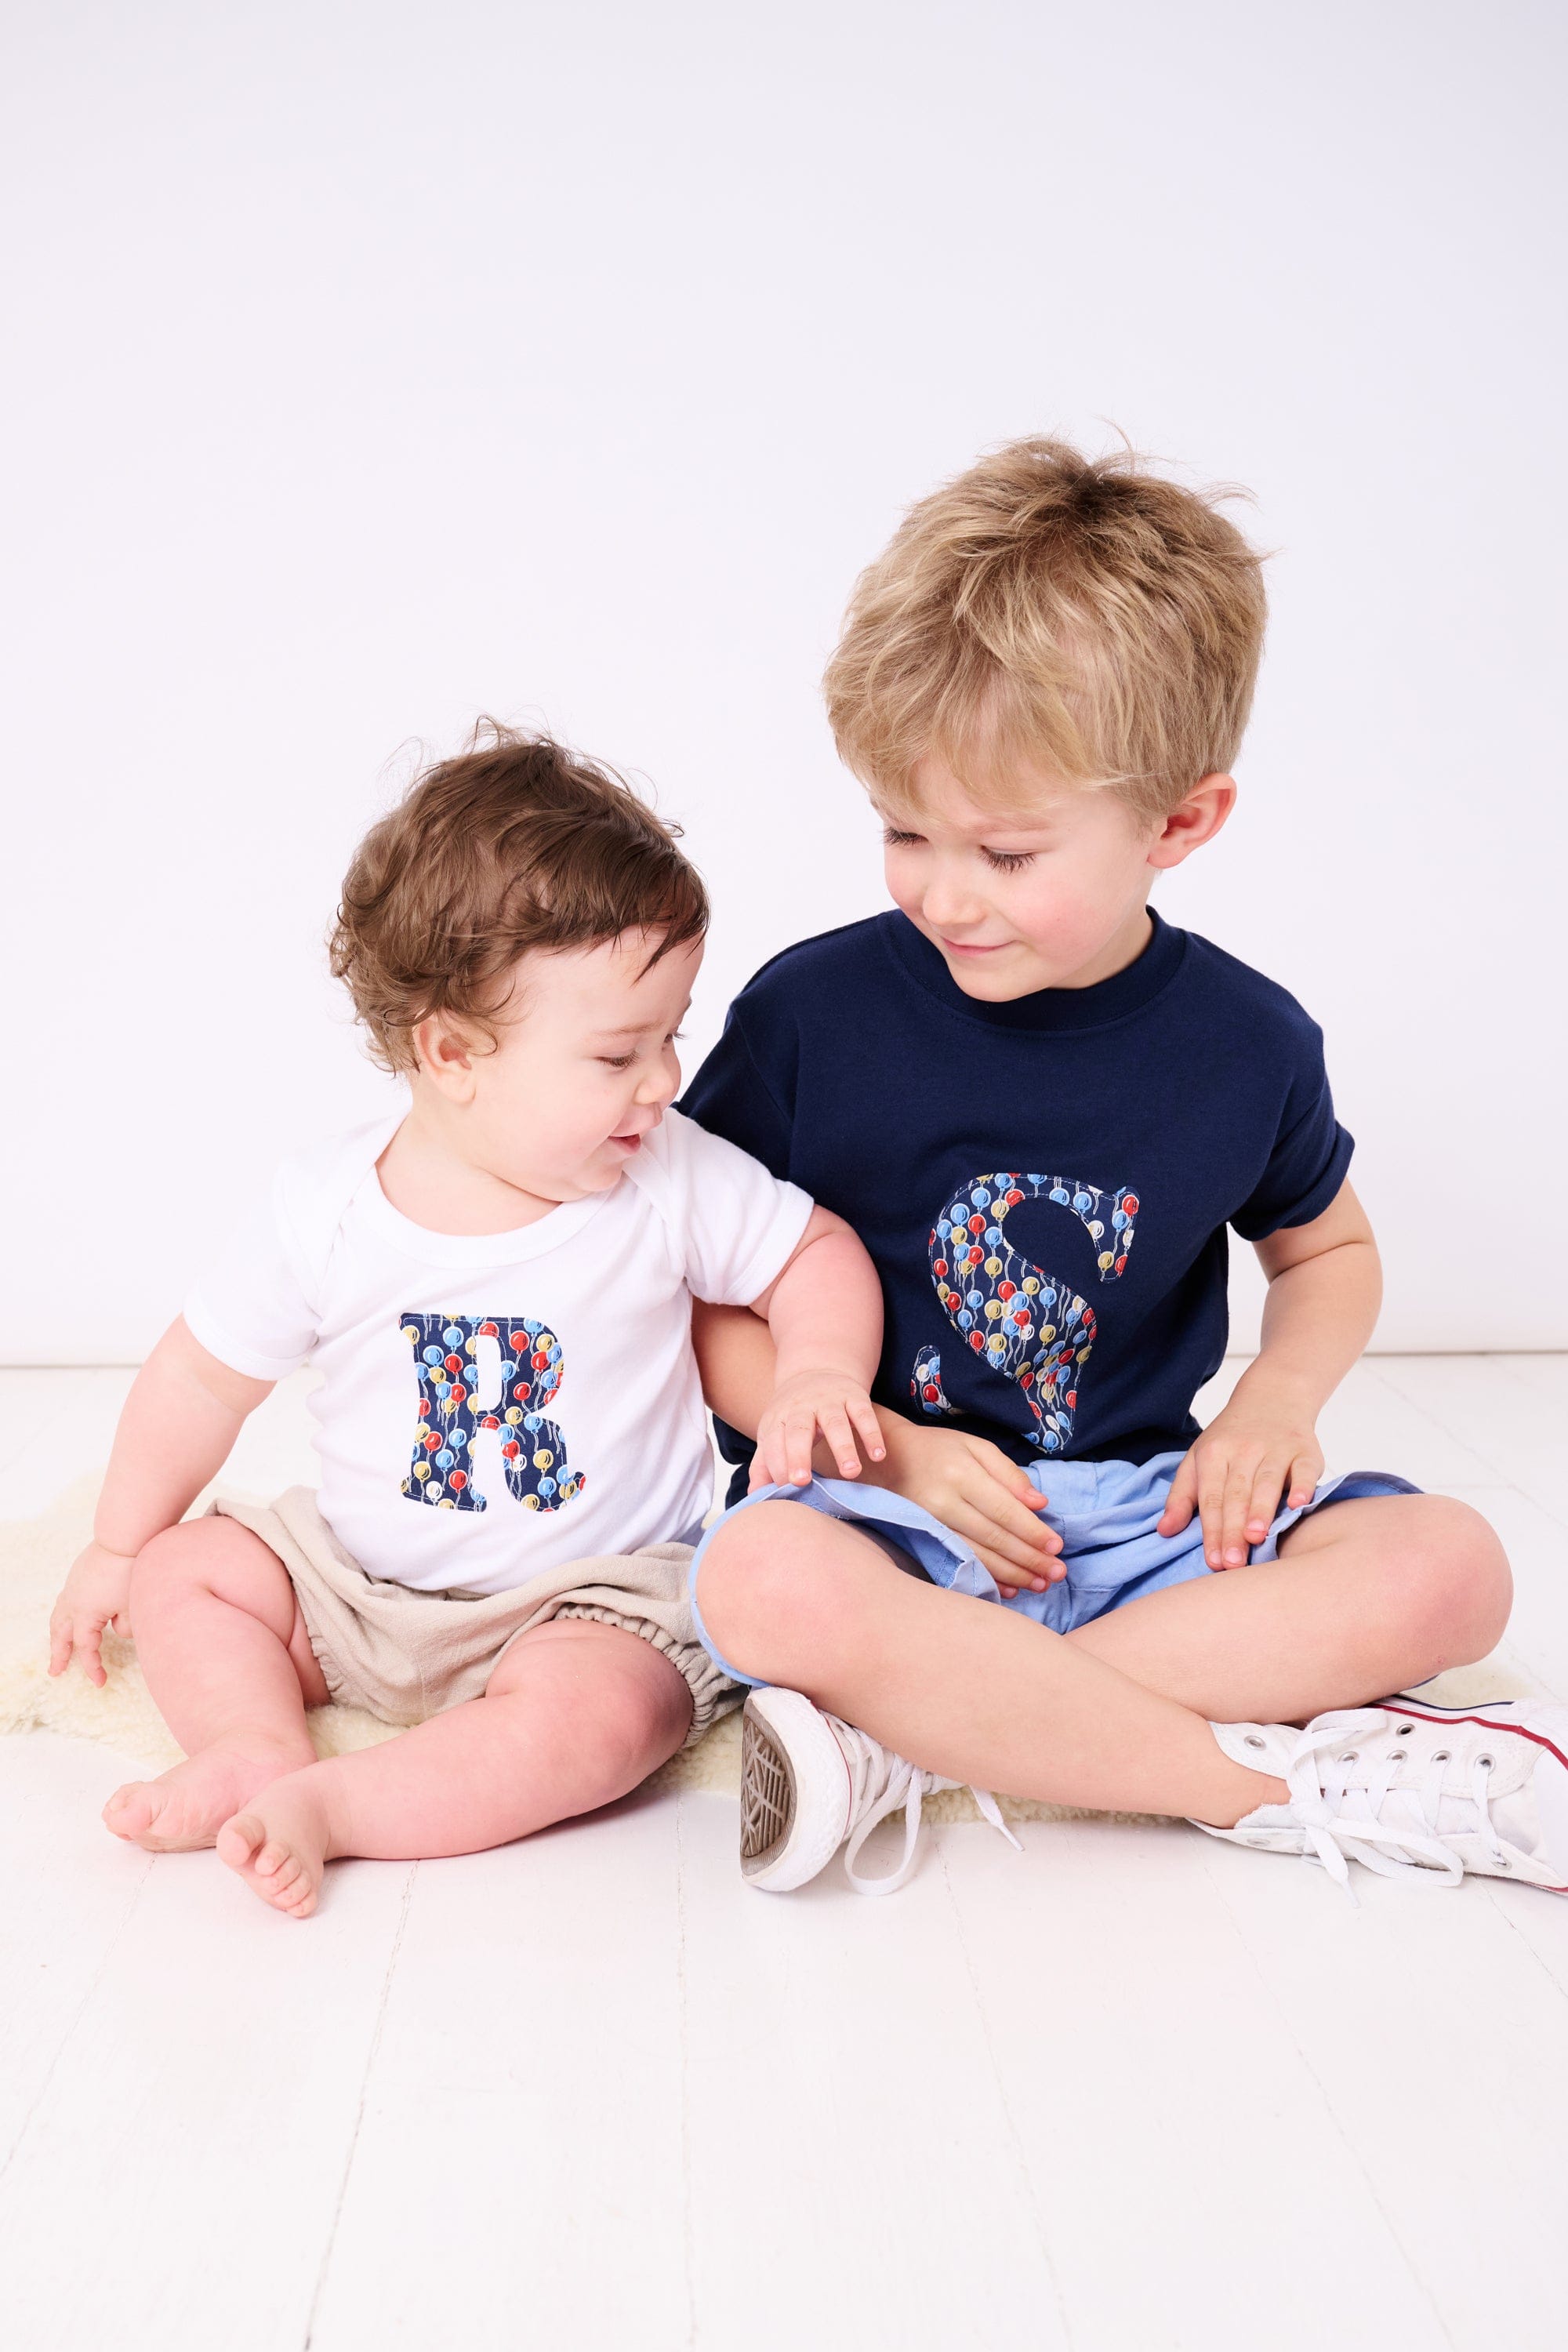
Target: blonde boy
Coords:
[(1041, 1107)]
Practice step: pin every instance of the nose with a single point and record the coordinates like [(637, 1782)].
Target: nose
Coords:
[(951, 902), (662, 1083)]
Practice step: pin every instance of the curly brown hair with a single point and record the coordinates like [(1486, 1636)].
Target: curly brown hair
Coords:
[(515, 845)]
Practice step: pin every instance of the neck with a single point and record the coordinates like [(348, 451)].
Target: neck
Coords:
[(429, 1175)]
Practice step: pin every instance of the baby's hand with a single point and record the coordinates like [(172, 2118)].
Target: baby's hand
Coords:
[(976, 1489), (1261, 1452), (93, 1595), (833, 1402)]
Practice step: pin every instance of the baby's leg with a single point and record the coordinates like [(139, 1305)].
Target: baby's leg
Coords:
[(223, 1648), (576, 1714)]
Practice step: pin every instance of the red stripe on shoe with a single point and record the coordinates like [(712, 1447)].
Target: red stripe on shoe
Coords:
[(1487, 1722)]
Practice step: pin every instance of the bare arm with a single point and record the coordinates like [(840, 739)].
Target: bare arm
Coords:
[(183, 1412), (825, 1315), (1325, 1286)]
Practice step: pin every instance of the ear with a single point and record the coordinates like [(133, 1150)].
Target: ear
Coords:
[(446, 1056), (1194, 820)]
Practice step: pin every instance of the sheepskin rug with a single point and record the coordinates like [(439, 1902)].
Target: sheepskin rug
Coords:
[(36, 1554)]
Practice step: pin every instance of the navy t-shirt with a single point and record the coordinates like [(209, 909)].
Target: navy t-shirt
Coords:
[(1045, 1185)]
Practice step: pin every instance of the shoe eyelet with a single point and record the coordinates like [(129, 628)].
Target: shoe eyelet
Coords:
[(1351, 1756), (1396, 1755), (1441, 1756), (1486, 1762), (1404, 1731), (1503, 1863), (1252, 1740)]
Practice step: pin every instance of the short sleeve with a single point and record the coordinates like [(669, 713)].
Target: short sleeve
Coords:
[(731, 1098), (1311, 1152), (249, 1309), (734, 1225)]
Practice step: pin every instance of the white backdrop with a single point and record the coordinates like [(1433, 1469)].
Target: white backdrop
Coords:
[(372, 365)]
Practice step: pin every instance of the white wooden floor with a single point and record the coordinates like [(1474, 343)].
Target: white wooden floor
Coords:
[(1132, 2091)]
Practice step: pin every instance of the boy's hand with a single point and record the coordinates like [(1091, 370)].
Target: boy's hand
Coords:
[(820, 1399), (1261, 1452), (976, 1489), (93, 1595)]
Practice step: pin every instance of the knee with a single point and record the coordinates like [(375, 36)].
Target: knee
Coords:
[(208, 1554), (767, 1591), (171, 1562), (1456, 1579)]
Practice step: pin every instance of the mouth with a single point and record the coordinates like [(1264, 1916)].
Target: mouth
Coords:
[(626, 1143), (970, 947)]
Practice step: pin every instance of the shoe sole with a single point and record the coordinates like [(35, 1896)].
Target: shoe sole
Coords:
[(794, 1792)]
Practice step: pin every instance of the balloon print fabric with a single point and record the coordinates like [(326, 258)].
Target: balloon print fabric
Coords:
[(1025, 1324), (447, 1363)]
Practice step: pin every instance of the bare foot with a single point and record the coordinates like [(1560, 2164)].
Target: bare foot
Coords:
[(279, 1844), (187, 1807)]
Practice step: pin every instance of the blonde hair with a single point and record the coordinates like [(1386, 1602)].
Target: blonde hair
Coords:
[(1052, 613)]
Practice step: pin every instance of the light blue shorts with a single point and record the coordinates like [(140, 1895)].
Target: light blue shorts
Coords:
[(1106, 1513)]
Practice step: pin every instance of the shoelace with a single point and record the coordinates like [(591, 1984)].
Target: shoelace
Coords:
[(882, 1783), (1343, 1819)]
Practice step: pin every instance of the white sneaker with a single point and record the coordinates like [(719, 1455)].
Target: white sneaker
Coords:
[(809, 1782), (1414, 1789)]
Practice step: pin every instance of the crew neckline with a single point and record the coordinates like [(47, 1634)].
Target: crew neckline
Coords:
[(1047, 1010), (521, 1241)]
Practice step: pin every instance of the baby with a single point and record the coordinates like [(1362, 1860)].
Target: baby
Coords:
[(495, 1284)]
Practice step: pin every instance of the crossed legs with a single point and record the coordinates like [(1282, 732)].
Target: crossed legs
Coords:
[(575, 1714), (1366, 1597)]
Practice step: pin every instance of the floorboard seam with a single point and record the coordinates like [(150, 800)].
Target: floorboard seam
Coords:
[(77, 2015), (370, 2057), (1330, 2109), (1020, 2151)]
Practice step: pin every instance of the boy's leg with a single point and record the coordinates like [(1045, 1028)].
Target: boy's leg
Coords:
[(965, 1688), (222, 1643), (1366, 1598), (576, 1715)]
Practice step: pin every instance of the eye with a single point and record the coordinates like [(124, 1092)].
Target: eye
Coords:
[(617, 1061), (893, 839), (1008, 861)]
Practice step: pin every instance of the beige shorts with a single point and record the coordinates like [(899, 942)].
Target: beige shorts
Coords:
[(406, 1654)]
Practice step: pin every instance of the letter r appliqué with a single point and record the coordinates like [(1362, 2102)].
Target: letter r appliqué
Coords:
[(451, 1373)]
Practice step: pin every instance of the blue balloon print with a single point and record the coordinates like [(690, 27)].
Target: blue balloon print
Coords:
[(432, 1356)]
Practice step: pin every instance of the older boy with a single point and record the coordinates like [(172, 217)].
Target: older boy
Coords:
[(495, 1283), (1041, 1105)]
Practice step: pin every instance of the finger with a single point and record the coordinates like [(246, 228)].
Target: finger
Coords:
[(1233, 1512), (60, 1645), (1211, 1507), (88, 1641), (1305, 1472), (800, 1436), (1268, 1488), (863, 1413), (770, 1454), (841, 1439), (1007, 1473), (1009, 1582), (1182, 1500), (998, 1519)]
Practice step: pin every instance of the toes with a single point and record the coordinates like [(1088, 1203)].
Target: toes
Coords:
[(238, 1838), (131, 1810)]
